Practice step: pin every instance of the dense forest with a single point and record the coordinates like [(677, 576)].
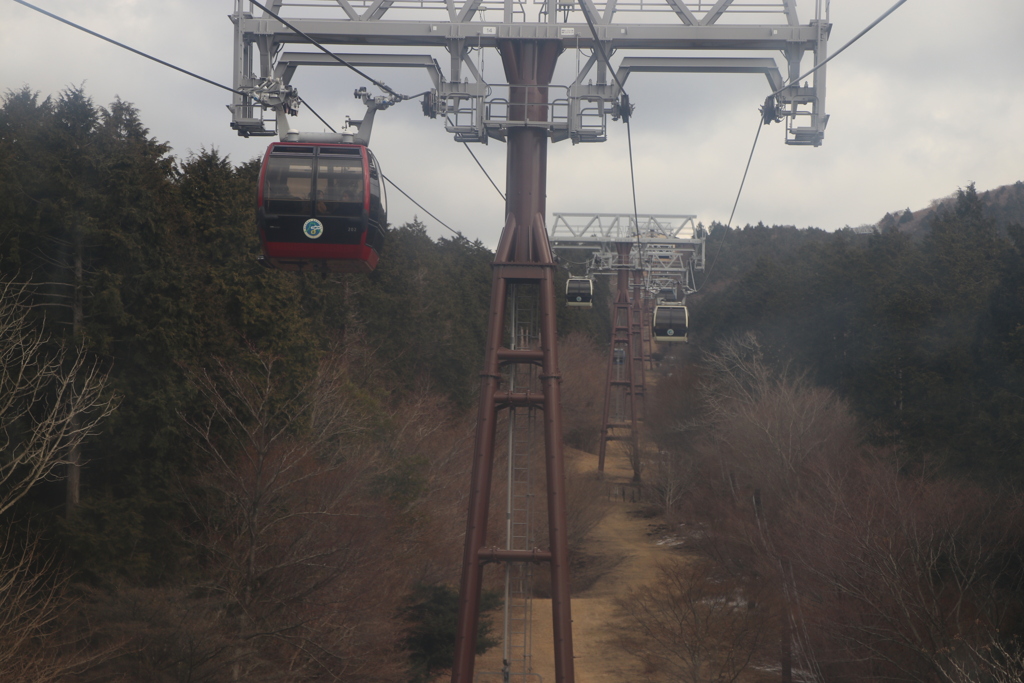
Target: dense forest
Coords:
[(921, 334), (212, 471), (845, 450)]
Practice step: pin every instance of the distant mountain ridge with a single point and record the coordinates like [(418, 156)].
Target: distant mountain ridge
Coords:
[(1004, 205)]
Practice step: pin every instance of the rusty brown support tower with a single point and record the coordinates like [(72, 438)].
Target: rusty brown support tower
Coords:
[(523, 257), (620, 416), (640, 352)]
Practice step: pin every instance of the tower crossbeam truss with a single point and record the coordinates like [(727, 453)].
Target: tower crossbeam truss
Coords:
[(476, 110), (672, 247)]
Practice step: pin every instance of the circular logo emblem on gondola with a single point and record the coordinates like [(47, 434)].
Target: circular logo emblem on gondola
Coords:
[(579, 298), (313, 228), (670, 332)]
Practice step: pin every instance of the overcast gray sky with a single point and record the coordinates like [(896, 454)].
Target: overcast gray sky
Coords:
[(930, 100)]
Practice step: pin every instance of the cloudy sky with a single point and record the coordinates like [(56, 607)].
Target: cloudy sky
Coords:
[(930, 100)]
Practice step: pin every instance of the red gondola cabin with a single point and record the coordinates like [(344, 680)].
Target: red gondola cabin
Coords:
[(321, 207)]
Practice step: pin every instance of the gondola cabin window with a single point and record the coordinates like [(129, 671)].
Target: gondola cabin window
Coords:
[(339, 186), (289, 184)]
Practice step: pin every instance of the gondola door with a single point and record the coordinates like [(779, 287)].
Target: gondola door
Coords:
[(343, 206)]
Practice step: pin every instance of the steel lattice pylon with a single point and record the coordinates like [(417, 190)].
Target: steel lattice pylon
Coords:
[(621, 396), (619, 417), (523, 257), (660, 251), (641, 353)]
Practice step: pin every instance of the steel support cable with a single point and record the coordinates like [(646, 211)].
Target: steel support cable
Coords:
[(838, 52), (761, 122), (728, 225), (224, 87), (313, 112), (293, 28), (632, 181), (448, 120), (392, 183), (132, 49), (493, 184), (162, 62), (626, 113)]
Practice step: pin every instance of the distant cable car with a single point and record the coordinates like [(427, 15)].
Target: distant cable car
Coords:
[(321, 207), (579, 292), (671, 323)]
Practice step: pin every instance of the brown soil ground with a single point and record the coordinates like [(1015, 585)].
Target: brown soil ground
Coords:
[(623, 541)]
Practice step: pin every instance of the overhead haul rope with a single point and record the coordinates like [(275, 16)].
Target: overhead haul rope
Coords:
[(132, 49), (448, 120), (764, 120), (728, 225), (223, 87), (339, 60), (313, 112), (493, 184), (626, 111), (838, 52), (407, 196)]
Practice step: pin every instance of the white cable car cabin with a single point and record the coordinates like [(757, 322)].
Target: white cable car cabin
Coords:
[(579, 292), (671, 323)]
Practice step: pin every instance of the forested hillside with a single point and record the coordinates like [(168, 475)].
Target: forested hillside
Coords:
[(843, 454), (1004, 206), (923, 336), (212, 471), (274, 465)]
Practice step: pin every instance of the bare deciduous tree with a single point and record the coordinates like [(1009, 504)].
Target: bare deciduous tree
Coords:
[(769, 429), (913, 567), (583, 379), (294, 541), (31, 600), (882, 573), (694, 625), (50, 400), (991, 662)]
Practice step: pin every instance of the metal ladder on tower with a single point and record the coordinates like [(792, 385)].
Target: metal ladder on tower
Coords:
[(518, 613)]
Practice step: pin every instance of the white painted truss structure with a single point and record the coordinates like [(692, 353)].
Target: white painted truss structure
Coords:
[(667, 248), (637, 33)]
